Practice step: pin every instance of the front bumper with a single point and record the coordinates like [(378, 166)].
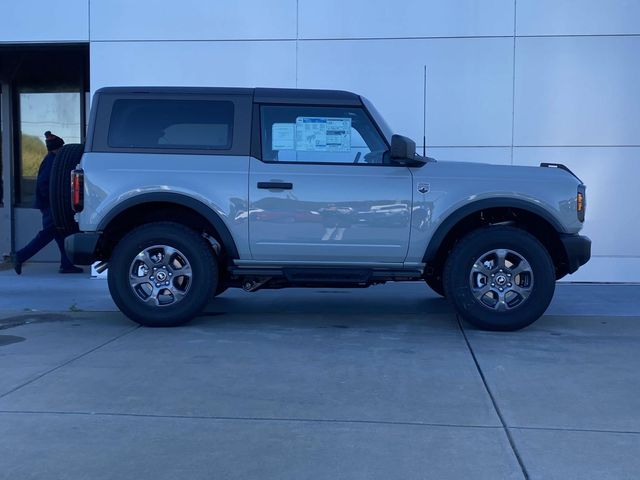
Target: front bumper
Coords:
[(577, 249), (81, 247)]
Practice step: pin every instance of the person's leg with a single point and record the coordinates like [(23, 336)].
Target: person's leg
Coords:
[(64, 260), (40, 241), (65, 264)]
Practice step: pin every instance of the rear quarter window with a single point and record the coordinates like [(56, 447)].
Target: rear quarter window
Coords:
[(171, 124)]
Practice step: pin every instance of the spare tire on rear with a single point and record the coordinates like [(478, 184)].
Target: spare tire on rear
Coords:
[(60, 187)]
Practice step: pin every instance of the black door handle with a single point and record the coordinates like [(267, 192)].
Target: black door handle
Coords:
[(275, 185)]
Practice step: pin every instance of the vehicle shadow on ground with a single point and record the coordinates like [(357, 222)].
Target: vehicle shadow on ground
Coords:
[(339, 308)]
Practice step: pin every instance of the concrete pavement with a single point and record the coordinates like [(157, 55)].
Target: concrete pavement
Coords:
[(355, 384)]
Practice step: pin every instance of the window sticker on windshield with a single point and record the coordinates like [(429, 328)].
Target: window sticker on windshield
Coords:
[(322, 134), (282, 136)]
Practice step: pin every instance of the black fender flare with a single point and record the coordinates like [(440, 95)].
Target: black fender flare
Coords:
[(505, 202), (179, 199)]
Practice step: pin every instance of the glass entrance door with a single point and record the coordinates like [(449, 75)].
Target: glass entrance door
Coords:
[(47, 92), (6, 217), (2, 187)]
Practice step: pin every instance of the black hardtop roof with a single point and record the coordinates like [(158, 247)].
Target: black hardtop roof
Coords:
[(260, 95), (299, 95)]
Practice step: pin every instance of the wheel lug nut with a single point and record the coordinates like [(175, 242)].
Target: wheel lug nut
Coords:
[(501, 289), (167, 284), (151, 277), (493, 284)]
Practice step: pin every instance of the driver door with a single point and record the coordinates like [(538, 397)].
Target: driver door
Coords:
[(322, 192)]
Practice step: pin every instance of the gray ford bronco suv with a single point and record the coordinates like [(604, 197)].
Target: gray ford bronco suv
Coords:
[(185, 192)]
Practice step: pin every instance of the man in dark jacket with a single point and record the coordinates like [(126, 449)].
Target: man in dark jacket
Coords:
[(49, 231)]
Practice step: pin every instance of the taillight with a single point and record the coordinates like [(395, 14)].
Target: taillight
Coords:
[(77, 190)]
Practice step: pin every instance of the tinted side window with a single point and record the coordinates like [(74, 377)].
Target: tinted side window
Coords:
[(319, 135), (171, 124)]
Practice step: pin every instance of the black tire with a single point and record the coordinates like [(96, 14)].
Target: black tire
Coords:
[(459, 277), (220, 289), (60, 187), (435, 283), (191, 248)]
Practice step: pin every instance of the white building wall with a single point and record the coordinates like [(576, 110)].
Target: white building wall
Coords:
[(510, 81), (35, 21)]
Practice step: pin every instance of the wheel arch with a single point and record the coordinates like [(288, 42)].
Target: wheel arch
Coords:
[(524, 214), (176, 207)]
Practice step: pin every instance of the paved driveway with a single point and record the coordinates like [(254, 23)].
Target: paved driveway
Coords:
[(328, 384)]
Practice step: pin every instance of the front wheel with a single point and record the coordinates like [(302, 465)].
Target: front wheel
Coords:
[(499, 278), (434, 282), (162, 274)]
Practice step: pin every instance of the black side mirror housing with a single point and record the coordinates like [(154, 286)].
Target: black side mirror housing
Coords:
[(403, 151)]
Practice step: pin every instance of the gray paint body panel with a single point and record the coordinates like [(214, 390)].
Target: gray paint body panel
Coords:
[(217, 181), (455, 185), (333, 213), (382, 215)]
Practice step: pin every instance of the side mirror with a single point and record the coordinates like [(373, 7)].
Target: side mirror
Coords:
[(403, 151)]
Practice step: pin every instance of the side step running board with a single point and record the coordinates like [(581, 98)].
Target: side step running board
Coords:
[(326, 275), (322, 275)]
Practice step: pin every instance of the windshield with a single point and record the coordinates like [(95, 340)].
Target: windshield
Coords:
[(386, 131)]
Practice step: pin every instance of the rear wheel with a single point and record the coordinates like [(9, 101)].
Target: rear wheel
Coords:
[(60, 187), (499, 278), (220, 289), (162, 274)]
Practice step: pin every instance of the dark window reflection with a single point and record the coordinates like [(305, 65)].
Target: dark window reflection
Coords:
[(154, 123)]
